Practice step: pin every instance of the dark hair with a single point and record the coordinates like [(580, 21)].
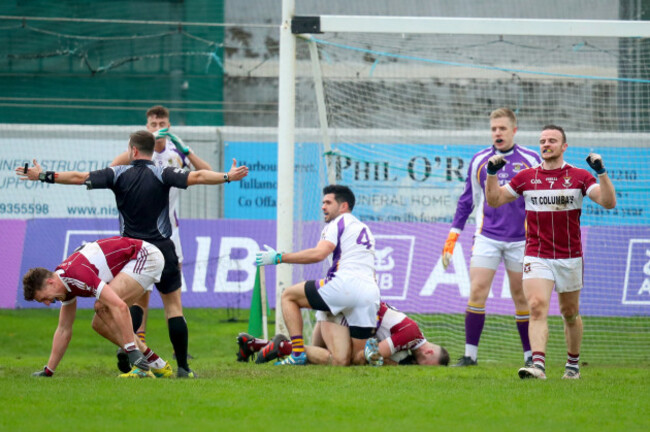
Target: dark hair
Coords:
[(557, 128), (33, 281), (443, 359), (158, 111), (341, 194), (144, 141)]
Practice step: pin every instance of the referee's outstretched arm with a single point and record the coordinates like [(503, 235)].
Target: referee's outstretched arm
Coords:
[(78, 178), (64, 177), (212, 177)]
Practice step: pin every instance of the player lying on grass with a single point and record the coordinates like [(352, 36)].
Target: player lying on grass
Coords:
[(115, 271), (399, 341)]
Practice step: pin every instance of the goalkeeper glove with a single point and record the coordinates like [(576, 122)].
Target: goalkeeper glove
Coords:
[(270, 257), (180, 145), (448, 250), (495, 163), (46, 372), (162, 133), (595, 161)]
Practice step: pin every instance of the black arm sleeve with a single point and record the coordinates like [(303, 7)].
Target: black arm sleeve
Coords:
[(175, 177), (100, 179)]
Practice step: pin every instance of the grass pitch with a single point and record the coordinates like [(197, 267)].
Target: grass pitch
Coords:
[(84, 395)]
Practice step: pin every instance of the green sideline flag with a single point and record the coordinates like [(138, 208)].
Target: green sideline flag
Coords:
[(255, 326)]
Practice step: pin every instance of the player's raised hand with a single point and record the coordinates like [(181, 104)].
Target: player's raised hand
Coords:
[(46, 373), (270, 257), (595, 161), (448, 249), (495, 163), (180, 145), (29, 173), (161, 133), (237, 172)]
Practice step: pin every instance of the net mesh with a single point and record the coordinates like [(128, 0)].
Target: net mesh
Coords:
[(406, 113)]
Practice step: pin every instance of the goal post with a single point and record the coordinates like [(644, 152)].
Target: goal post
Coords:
[(395, 107)]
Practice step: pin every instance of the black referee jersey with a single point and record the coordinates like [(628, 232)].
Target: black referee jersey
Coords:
[(142, 195)]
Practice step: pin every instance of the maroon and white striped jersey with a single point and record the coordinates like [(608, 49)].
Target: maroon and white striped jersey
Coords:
[(403, 332), (553, 207), (85, 272)]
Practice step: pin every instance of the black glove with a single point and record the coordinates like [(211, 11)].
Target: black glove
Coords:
[(596, 163), (46, 372), (494, 166), (137, 359)]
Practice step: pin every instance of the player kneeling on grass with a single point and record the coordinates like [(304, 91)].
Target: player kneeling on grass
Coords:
[(117, 271), (349, 288)]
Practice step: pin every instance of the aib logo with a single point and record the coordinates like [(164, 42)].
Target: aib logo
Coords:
[(393, 260), (636, 290)]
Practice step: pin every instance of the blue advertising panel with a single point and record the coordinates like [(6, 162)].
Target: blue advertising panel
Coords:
[(411, 182)]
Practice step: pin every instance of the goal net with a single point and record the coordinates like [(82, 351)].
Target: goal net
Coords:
[(398, 116)]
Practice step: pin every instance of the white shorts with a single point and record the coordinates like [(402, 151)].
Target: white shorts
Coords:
[(566, 273), (488, 253), (357, 299), (176, 238), (330, 317), (147, 267)]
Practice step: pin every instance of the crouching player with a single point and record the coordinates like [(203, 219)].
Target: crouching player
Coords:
[(117, 271)]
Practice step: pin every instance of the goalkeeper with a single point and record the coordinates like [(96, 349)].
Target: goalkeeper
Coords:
[(500, 234), (169, 151)]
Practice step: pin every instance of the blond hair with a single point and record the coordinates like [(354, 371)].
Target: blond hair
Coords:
[(504, 112)]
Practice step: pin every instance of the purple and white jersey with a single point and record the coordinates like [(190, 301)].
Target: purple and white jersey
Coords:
[(506, 223), (354, 254), (171, 157)]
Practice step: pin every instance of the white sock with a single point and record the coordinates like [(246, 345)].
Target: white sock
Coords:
[(158, 364), (471, 351)]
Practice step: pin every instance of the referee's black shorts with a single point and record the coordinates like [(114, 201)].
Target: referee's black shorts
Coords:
[(170, 280)]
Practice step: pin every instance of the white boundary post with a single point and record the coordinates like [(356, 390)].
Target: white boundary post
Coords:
[(265, 321), (286, 125)]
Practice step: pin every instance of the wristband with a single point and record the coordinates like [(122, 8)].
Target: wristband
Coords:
[(47, 176), (226, 178), (278, 258)]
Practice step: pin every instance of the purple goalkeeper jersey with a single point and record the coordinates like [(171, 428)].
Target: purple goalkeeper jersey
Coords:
[(506, 223)]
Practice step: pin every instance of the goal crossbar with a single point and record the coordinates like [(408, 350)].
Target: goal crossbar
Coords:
[(469, 26)]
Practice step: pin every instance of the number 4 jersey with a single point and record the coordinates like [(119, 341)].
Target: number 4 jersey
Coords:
[(354, 254)]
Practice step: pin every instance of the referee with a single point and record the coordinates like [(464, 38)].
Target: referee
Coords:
[(142, 195)]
